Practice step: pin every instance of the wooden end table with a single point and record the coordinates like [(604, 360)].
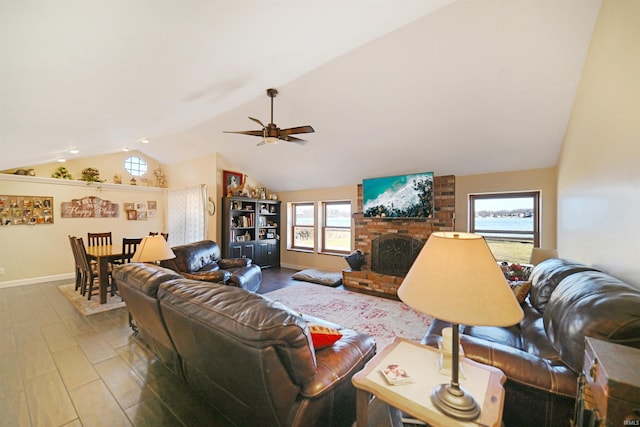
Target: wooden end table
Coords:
[(421, 361)]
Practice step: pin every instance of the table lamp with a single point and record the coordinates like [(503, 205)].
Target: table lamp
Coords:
[(153, 249), (541, 254), (455, 278)]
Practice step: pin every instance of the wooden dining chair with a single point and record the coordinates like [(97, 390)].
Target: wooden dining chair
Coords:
[(129, 247), (90, 280), (99, 239), (165, 235), (78, 270)]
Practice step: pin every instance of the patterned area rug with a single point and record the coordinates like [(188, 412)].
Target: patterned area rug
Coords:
[(381, 318), (86, 307)]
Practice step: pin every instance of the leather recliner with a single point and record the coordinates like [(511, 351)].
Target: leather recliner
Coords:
[(202, 261), (251, 358), (542, 356)]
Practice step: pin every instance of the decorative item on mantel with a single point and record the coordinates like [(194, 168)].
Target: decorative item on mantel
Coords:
[(117, 179), (355, 260), (91, 175), (161, 177), (61, 173)]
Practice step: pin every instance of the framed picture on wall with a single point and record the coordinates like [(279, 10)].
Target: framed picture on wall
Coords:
[(132, 214), (232, 182), (152, 205)]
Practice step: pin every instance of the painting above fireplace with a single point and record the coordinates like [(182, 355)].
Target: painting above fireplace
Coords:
[(401, 196)]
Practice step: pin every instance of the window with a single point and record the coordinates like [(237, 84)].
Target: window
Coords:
[(336, 230), (303, 225), (135, 166), (510, 223)]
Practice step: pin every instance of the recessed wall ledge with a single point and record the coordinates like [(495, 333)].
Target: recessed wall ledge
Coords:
[(75, 182)]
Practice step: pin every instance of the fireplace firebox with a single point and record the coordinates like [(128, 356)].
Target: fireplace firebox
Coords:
[(393, 254)]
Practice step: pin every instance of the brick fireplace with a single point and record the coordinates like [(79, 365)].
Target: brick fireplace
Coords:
[(400, 239)]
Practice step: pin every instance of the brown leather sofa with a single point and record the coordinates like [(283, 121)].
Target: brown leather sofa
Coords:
[(543, 355), (252, 358), (202, 261)]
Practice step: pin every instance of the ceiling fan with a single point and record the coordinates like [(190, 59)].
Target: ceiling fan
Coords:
[(272, 134)]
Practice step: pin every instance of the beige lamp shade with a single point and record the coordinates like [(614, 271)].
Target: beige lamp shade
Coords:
[(455, 278), (152, 249), (541, 254)]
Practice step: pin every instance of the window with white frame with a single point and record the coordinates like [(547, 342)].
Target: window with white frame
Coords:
[(336, 227), (303, 225), (509, 222), (135, 166)]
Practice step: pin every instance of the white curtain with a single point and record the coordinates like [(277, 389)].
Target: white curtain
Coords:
[(186, 215)]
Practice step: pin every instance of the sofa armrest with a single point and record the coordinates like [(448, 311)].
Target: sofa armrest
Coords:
[(215, 276), (229, 263), (337, 363), (249, 277), (529, 370)]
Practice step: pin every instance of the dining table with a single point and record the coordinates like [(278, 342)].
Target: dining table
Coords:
[(103, 255)]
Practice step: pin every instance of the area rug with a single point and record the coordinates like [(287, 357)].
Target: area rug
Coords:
[(381, 318), (86, 307)]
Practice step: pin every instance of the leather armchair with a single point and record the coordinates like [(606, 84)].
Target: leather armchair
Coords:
[(202, 261)]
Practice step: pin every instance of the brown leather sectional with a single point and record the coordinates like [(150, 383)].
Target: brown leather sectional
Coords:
[(543, 354), (251, 358)]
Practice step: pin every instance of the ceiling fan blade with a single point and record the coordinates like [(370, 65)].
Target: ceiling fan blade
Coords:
[(260, 143), (294, 139), (257, 121), (298, 129), (246, 132)]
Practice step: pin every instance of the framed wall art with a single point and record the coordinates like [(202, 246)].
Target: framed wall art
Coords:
[(232, 182), (25, 210)]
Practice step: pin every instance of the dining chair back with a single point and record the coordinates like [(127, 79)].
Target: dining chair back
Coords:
[(155, 233), (99, 239), (129, 247)]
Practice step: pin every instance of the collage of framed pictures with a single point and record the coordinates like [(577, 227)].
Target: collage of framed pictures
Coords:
[(140, 211), (25, 210)]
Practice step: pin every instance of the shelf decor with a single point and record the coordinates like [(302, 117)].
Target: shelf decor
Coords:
[(89, 207), (26, 210)]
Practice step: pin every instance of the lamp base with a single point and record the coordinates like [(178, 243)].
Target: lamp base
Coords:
[(455, 402)]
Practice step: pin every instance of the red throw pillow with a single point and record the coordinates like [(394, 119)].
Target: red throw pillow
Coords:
[(323, 336)]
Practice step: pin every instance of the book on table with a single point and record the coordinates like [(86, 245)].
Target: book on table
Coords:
[(395, 374)]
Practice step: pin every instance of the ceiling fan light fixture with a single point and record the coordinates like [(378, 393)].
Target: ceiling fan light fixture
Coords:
[(271, 140)]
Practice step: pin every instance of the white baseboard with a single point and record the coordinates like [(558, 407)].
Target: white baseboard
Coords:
[(34, 280), (295, 267)]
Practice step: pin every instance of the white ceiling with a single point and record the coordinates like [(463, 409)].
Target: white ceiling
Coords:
[(391, 87)]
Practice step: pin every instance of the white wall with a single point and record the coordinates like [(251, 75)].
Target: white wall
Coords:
[(30, 254), (599, 168)]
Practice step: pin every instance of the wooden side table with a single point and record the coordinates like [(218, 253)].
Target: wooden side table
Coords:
[(483, 382)]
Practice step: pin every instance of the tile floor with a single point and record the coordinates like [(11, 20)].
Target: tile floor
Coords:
[(60, 368)]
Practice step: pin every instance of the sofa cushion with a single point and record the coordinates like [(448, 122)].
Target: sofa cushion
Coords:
[(591, 304), (195, 256), (143, 277), (546, 276), (520, 290)]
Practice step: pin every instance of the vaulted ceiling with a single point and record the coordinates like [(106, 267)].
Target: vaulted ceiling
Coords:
[(391, 87)]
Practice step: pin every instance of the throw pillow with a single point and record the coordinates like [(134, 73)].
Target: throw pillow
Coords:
[(520, 290), (323, 336)]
